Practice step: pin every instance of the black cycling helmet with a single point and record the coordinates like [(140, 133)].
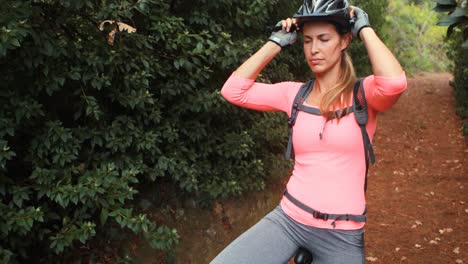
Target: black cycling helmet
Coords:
[(336, 11)]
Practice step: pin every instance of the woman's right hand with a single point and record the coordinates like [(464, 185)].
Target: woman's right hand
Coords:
[(287, 35)]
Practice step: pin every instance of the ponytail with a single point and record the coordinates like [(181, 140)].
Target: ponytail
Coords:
[(339, 96)]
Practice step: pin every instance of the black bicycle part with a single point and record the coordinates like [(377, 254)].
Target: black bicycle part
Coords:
[(303, 256)]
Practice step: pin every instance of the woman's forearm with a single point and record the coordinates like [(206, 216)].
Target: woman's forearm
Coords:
[(252, 67), (382, 59)]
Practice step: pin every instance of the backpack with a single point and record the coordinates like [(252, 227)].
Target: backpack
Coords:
[(359, 108)]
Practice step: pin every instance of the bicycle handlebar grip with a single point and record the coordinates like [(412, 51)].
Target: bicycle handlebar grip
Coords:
[(303, 256)]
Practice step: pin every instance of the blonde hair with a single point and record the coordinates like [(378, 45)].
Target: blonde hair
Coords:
[(339, 96)]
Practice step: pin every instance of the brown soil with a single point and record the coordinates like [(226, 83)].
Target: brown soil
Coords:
[(417, 195), (418, 199)]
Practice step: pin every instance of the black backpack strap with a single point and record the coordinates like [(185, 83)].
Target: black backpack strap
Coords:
[(326, 216), (362, 116), (305, 89)]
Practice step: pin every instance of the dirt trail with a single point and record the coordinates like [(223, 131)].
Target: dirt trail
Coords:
[(417, 195)]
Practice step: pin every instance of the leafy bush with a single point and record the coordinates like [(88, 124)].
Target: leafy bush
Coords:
[(457, 37), (88, 121), (459, 55), (457, 16), (413, 36)]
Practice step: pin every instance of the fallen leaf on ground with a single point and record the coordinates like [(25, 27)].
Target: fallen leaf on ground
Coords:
[(113, 29), (448, 230)]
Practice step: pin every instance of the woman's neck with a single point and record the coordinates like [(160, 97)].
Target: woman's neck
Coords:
[(327, 80), (325, 83)]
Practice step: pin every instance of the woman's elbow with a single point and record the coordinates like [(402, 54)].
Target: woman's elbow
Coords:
[(230, 96), (226, 94)]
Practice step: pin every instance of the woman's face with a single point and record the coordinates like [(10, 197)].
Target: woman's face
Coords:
[(323, 46)]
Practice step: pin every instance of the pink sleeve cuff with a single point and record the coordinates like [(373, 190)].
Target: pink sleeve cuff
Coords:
[(383, 92), (391, 85)]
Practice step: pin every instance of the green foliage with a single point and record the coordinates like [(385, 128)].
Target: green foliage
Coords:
[(457, 16), (85, 125), (413, 36), (460, 82), (457, 39)]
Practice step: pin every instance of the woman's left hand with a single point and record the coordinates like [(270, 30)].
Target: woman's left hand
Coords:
[(360, 20), (383, 61)]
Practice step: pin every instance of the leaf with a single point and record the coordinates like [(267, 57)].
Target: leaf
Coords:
[(125, 27), (104, 215), (459, 12), (15, 43), (450, 29), (446, 2), (75, 76), (111, 26), (17, 200), (449, 20), (465, 44), (443, 8)]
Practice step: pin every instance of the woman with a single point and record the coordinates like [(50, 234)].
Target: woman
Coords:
[(323, 207)]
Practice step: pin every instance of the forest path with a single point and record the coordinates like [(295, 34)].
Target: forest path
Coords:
[(418, 193)]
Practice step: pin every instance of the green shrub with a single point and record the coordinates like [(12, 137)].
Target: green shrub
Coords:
[(459, 55), (414, 37), (85, 125), (457, 39)]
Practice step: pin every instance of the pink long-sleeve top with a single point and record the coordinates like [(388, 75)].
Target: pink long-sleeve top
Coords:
[(328, 173)]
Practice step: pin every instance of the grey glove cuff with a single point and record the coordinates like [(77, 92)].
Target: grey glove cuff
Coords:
[(361, 20), (282, 38)]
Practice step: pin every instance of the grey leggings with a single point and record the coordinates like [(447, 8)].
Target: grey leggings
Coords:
[(276, 238)]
